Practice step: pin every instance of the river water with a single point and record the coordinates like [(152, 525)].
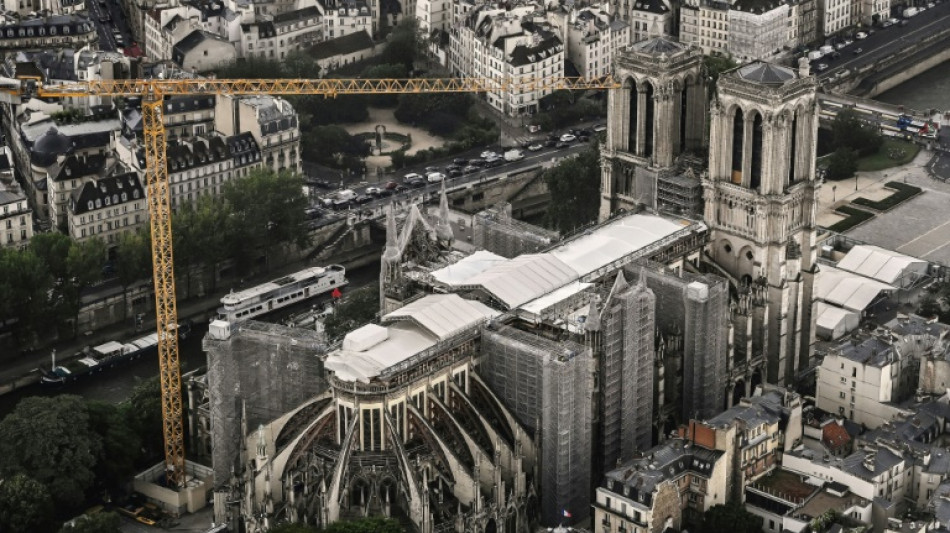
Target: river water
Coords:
[(117, 384), (930, 90)]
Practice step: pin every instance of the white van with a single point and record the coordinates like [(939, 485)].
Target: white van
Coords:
[(514, 155), (346, 195)]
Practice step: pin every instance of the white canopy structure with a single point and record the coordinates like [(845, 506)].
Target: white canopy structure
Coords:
[(883, 265), (848, 290), (835, 322)]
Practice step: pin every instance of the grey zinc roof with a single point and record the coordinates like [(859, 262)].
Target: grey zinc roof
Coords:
[(442, 315), (639, 478), (346, 44), (657, 46), (524, 278), (766, 73), (884, 459)]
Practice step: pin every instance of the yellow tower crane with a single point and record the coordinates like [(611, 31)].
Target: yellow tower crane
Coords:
[(152, 93)]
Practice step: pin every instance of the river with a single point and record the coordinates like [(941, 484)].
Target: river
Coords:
[(930, 90), (116, 385)]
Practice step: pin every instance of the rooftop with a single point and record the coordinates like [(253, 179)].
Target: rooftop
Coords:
[(880, 264), (766, 73), (369, 351), (785, 484)]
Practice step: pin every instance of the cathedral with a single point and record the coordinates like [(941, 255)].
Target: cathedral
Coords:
[(758, 195)]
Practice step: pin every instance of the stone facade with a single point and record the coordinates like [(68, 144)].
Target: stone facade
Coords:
[(661, 110), (760, 202)]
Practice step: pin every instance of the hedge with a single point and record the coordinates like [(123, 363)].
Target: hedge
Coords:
[(903, 192), (855, 217)]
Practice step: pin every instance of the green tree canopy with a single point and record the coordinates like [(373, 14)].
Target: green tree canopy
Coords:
[(334, 147), (848, 131), (95, 523), (25, 505), (842, 164), (356, 308), (404, 45), (731, 517), (121, 443), (25, 293), (143, 414), (574, 185), (53, 249), (50, 439)]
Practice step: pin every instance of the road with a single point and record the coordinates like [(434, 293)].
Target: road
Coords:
[(531, 159), (117, 20), (884, 42)]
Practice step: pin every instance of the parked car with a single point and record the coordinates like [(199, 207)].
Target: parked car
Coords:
[(494, 162), (535, 147), (822, 66), (858, 51), (600, 127), (411, 177), (583, 138), (568, 138), (488, 154), (455, 172), (435, 177), (391, 185), (550, 143), (460, 161), (478, 162), (562, 144), (372, 191), (470, 169)]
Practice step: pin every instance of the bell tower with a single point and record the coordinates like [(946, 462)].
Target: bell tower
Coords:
[(656, 116), (761, 199)]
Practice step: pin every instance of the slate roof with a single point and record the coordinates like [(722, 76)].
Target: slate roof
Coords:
[(344, 45), (637, 479), (107, 192), (296, 15), (880, 461), (657, 46), (766, 73), (74, 167), (524, 55), (653, 6), (190, 41)]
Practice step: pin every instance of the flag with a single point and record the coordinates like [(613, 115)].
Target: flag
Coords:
[(566, 513)]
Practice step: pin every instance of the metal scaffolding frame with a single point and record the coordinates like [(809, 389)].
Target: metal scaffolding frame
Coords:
[(256, 374), (496, 231), (548, 385)]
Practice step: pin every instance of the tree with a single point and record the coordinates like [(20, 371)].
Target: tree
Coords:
[(26, 288), (333, 146), (574, 185), (842, 164), (357, 308), (716, 65), (731, 517), (848, 131), (268, 212), (143, 414), (404, 45), (121, 443), (293, 528), (133, 260), (53, 250), (50, 440), (83, 268), (25, 504), (95, 523), (380, 72)]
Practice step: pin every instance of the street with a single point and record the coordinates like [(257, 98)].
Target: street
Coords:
[(883, 42), (104, 25)]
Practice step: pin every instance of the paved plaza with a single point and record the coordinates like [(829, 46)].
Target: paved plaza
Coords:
[(919, 227)]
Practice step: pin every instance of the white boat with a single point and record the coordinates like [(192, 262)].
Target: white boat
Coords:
[(288, 290)]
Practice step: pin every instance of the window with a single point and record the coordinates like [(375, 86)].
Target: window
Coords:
[(842, 395)]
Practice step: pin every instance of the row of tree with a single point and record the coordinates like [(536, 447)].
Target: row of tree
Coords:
[(574, 184), (56, 453), (41, 285)]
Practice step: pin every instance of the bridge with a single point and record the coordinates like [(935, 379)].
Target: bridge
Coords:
[(892, 120)]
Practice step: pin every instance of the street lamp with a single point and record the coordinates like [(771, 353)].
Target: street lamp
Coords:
[(834, 188)]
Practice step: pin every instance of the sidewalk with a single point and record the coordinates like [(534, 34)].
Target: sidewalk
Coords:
[(15, 368)]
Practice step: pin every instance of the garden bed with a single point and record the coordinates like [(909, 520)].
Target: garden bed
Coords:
[(902, 192), (854, 216)]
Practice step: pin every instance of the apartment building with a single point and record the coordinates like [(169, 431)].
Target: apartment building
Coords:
[(705, 24), (16, 216), (434, 15), (593, 39), (647, 18), (202, 51), (282, 34), (758, 30), (30, 32), (69, 174), (671, 486), (343, 17), (340, 51), (495, 43), (835, 15), (108, 207), (270, 120)]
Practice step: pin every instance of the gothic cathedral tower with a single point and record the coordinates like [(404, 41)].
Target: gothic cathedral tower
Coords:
[(658, 115), (760, 203)]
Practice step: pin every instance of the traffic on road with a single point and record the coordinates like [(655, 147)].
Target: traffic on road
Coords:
[(114, 34)]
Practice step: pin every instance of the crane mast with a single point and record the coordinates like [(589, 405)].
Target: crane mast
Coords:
[(153, 92)]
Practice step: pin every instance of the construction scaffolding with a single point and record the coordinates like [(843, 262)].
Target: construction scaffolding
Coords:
[(496, 231), (627, 371), (680, 193), (694, 310), (548, 384), (256, 373)]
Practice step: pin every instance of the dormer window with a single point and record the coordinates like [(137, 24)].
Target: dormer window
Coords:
[(89, 205), (115, 198), (124, 197)]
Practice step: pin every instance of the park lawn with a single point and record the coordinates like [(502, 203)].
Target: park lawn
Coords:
[(882, 160)]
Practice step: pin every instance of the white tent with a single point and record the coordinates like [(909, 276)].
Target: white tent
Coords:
[(835, 322), (883, 265)]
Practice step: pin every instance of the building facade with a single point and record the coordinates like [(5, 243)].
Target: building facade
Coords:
[(761, 199), (658, 115), (107, 208), (16, 216)]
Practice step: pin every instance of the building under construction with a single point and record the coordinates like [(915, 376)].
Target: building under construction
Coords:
[(495, 230), (547, 383)]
